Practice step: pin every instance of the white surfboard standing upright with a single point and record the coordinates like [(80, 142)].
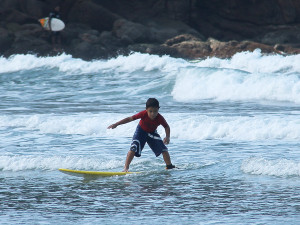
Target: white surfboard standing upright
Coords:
[(56, 24)]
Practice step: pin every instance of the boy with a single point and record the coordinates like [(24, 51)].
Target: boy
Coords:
[(146, 132)]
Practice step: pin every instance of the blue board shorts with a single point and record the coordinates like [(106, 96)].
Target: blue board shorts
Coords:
[(153, 139)]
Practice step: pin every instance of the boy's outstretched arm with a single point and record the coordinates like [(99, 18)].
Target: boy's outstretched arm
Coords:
[(123, 121), (167, 138)]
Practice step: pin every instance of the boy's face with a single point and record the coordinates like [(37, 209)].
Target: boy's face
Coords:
[(152, 112)]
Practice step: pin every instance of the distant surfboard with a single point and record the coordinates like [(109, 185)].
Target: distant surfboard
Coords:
[(81, 173), (56, 24)]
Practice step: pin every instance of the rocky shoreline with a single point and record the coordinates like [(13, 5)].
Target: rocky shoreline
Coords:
[(189, 29)]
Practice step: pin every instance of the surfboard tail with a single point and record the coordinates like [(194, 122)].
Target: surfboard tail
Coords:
[(44, 23)]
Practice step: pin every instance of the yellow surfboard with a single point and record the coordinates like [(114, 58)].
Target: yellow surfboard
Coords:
[(83, 173)]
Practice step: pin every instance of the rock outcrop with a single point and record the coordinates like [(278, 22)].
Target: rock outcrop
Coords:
[(180, 28)]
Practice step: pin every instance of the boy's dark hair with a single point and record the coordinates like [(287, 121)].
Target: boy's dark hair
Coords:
[(152, 102)]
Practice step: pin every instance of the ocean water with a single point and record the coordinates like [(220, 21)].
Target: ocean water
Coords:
[(235, 131)]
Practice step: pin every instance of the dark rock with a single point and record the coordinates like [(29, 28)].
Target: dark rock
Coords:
[(130, 32), (31, 29), (86, 50), (108, 40), (93, 14), (29, 44), (243, 20), (73, 31), (13, 27), (279, 47), (284, 35), (264, 12), (12, 15), (228, 49), (163, 29), (35, 8), (189, 46), (10, 4), (142, 11), (6, 40), (97, 29), (181, 38), (287, 49), (90, 36), (154, 49)]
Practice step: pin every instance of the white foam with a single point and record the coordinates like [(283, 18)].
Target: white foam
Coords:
[(246, 76), (40, 162), (224, 84), (29, 62), (68, 64), (20, 163), (184, 126), (278, 167), (255, 62), (200, 127), (252, 62)]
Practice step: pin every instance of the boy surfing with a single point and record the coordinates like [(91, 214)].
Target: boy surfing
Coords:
[(146, 132)]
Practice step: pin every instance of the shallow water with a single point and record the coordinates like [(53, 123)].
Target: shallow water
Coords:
[(235, 132)]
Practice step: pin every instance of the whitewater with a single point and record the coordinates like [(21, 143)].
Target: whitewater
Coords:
[(235, 130)]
